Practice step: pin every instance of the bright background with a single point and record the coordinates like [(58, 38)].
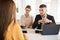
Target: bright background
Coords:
[(53, 7)]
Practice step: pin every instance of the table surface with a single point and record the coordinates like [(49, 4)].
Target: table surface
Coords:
[(37, 36)]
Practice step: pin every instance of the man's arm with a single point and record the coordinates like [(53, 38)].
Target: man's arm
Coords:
[(50, 20), (53, 20), (35, 23)]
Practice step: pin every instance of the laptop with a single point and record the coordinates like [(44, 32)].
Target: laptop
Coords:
[(50, 29)]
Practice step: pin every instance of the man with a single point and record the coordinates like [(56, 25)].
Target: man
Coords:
[(42, 18), (27, 19)]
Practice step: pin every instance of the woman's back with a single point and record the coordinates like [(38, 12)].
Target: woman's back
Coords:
[(9, 28), (14, 32)]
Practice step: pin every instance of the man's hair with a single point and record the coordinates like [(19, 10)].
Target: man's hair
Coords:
[(28, 6), (42, 6)]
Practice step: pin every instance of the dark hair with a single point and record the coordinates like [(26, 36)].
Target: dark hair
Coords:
[(7, 10), (28, 6), (42, 5)]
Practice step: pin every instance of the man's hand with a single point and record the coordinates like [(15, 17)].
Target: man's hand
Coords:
[(47, 20), (40, 21), (44, 20)]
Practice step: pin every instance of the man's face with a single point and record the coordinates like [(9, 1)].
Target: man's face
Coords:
[(42, 10), (27, 10)]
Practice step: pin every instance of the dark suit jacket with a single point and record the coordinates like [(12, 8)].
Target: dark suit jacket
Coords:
[(38, 17)]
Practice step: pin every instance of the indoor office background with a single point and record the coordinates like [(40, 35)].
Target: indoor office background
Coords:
[(53, 8)]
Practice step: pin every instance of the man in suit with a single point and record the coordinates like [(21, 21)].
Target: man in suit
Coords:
[(42, 18)]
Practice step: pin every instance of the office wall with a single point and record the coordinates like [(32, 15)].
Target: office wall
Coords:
[(54, 9), (19, 5)]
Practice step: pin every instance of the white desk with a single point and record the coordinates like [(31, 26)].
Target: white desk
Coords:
[(36, 36)]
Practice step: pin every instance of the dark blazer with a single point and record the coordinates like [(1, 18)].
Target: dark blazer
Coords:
[(38, 17)]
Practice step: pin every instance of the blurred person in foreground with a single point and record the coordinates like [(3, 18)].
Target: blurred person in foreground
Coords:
[(9, 28)]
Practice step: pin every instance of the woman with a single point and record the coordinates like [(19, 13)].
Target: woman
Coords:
[(9, 28), (27, 18)]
